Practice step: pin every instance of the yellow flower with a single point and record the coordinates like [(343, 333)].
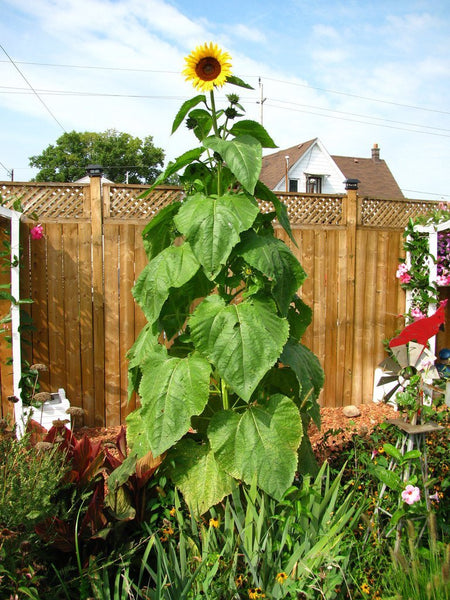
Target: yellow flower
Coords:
[(281, 577), (214, 523), (255, 593), (365, 588), (207, 66), (173, 511)]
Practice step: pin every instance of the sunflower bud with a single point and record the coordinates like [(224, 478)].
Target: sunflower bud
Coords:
[(233, 98), (231, 113), (191, 123)]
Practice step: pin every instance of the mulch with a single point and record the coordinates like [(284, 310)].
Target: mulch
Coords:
[(333, 420)]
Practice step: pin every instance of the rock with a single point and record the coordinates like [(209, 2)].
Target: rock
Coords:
[(351, 411)]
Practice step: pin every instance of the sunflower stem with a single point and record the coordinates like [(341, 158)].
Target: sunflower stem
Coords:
[(225, 398), (216, 131)]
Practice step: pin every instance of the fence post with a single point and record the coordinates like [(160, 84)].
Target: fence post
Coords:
[(351, 214), (98, 316)]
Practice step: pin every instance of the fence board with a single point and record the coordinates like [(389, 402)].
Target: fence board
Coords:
[(72, 342), (112, 325), (56, 309), (39, 310), (127, 304), (86, 323), (81, 275)]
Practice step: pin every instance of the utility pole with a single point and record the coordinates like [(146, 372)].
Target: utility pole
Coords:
[(261, 100)]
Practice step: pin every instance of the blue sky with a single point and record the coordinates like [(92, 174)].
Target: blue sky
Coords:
[(351, 73)]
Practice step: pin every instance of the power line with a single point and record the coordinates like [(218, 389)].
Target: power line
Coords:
[(9, 171), (32, 88), (310, 112), (134, 69), (340, 112), (15, 90), (445, 112), (99, 68)]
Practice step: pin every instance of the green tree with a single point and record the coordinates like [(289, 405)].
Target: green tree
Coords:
[(118, 153)]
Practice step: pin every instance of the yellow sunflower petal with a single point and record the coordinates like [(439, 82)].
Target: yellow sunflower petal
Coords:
[(207, 67)]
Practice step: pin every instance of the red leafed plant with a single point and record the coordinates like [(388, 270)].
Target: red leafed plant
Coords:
[(83, 493), (128, 479)]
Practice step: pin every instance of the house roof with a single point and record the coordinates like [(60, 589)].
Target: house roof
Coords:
[(274, 165), (376, 180)]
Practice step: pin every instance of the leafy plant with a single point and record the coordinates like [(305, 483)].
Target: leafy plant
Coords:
[(254, 546), (128, 495), (30, 478), (420, 572), (226, 387)]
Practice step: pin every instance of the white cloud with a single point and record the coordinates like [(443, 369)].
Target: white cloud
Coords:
[(344, 54)]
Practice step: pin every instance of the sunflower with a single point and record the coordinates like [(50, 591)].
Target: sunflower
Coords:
[(207, 66)]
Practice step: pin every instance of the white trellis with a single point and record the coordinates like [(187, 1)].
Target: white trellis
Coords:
[(432, 230)]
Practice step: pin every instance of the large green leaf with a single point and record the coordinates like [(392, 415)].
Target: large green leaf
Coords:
[(239, 82), (272, 257), (177, 307), (146, 343), (243, 340), (212, 226), (299, 317), (306, 366), (262, 441), (243, 156), (174, 166), (172, 390), (389, 478), (159, 233), (171, 268), (203, 122), (185, 108), (197, 474), (262, 192), (247, 127)]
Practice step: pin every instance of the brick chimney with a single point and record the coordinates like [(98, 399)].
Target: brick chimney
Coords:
[(375, 153)]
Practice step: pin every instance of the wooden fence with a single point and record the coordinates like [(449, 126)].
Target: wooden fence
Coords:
[(81, 273)]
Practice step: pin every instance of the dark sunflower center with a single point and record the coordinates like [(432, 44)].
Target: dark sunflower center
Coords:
[(208, 68)]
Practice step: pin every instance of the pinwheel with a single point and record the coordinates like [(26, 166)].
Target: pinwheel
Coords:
[(407, 360)]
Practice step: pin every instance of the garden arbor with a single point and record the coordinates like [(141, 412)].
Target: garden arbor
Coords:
[(434, 261), (13, 218)]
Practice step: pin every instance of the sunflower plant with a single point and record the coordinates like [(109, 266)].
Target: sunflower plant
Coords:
[(226, 387)]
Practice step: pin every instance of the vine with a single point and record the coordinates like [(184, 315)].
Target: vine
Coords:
[(414, 274)]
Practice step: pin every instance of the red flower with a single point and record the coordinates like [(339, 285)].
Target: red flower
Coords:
[(37, 232)]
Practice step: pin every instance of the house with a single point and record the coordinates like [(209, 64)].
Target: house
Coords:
[(308, 167)]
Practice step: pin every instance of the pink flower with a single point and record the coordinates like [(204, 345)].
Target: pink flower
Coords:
[(411, 494), (37, 232), (417, 314), (402, 269), (405, 278), (443, 279)]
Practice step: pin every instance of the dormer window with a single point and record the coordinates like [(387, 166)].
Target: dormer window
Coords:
[(313, 184)]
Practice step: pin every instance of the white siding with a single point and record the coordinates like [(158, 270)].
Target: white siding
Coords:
[(316, 161)]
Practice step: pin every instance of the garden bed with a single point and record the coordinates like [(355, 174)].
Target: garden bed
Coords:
[(333, 419)]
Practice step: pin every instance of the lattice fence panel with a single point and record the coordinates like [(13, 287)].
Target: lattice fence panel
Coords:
[(127, 203), (46, 200), (306, 209), (393, 213)]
